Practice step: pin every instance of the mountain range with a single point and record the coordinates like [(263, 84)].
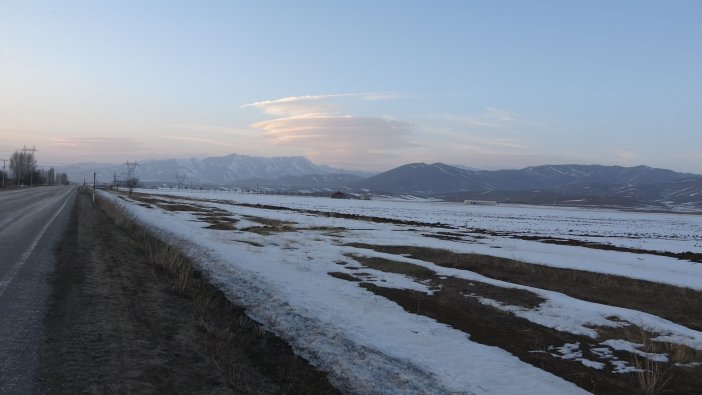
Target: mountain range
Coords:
[(217, 170), (565, 184), (639, 186)]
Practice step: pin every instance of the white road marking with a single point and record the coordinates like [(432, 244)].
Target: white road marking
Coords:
[(10, 274)]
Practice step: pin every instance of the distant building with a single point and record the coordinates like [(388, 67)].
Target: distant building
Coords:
[(338, 195), (480, 202)]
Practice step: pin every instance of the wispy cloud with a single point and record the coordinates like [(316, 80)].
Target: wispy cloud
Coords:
[(500, 114), (349, 132), (94, 143), (299, 105), (320, 127), (214, 129), (90, 148), (200, 140)]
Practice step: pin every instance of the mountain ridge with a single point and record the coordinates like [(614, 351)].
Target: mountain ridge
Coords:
[(215, 170), (544, 184), (581, 184)]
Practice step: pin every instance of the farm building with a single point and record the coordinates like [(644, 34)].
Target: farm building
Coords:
[(338, 195), (480, 202)]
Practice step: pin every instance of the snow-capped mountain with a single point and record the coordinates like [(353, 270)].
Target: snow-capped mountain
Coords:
[(219, 170)]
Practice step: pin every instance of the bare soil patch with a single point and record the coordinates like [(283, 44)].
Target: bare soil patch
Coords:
[(124, 323), (219, 221), (687, 255), (680, 305), (268, 221), (454, 303), (508, 296)]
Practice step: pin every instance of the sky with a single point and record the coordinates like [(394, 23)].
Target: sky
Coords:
[(365, 85)]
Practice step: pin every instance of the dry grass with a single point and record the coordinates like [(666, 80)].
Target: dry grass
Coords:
[(269, 230), (269, 222), (253, 360), (454, 303), (657, 377), (652, 376), (680, 305), (451, 290)]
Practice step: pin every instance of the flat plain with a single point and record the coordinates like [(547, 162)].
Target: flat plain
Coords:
[(402, 296)]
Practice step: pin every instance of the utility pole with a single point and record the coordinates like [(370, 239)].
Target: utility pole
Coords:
[(31, 172), (180, 178), (3, 171), (131, 180)]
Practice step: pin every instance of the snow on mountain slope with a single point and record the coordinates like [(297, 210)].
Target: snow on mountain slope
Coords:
[(221, 170)]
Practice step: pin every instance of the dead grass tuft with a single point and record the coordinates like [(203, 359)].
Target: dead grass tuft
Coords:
[(652, 376)]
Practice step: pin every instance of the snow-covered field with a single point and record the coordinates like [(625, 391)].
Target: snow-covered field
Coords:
[(652, 231), (369, 343)]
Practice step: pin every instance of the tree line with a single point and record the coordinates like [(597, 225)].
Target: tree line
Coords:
[(24, 171)]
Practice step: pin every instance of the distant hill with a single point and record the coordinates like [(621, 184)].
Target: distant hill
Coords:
[(219, 170), (306, 183), (421, 179), (567, 184), (639, 186)]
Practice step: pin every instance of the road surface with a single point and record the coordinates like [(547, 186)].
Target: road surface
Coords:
[(32, 222)]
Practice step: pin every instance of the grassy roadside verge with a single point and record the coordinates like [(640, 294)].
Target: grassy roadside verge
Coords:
[(251, 359)]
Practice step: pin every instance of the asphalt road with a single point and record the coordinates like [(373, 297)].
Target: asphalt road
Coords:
[(32, 222)]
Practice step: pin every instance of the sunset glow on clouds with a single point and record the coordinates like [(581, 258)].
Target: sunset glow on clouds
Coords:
[(318, 126)]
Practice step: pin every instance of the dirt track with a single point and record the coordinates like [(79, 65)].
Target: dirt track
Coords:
[(116, 326)]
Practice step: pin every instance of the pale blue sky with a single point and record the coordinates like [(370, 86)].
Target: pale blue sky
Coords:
[(366, 85)]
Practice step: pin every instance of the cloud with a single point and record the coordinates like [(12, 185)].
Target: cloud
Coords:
[(76, 149), (331, 103), (299, 105), (383, 96), (318, 128), (214, 129), (340, 139), (201, 140), (500, 115), (94, 143)]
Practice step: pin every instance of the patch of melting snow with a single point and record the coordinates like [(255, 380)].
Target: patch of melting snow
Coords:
[(395, 281), (568, 351), (603, 352), (623, 367), (624, 345), (572, 351), (592, 364)]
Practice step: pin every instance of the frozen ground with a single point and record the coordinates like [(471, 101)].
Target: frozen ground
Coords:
[(369, 343), (651, 231)]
